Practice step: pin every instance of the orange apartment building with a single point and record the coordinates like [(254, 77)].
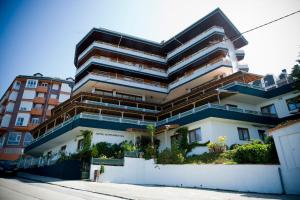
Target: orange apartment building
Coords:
[(25, 104)]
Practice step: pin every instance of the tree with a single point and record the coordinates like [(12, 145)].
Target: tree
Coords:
[(151, 131), (296, 74)]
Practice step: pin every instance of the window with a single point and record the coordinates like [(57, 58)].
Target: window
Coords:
[(27, 139), (53, 96), (63, 149), (80, 145), (38, 106), (262, 135), (270, 109), (243, 134), (176, 138), (20, 121), (14, 138), (35, 120), (103, 92), (195, 135), (293, 103), (2, 138), (43, 84), (31, 83), (129, 96), (50, 107), (55, 86), (49, 154), (40, 95), (17, 85)]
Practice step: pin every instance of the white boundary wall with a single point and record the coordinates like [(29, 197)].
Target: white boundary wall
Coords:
[(246, 178)]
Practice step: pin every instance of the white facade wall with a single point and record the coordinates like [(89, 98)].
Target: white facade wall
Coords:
[(246, 178), (26, 105), (28, 94), (63, 97), (211, 129), (65, 87), (5, 120), (13, 96), (26, 117), (280, 104)]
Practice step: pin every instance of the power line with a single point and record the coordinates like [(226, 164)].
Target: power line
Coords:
[(260, 26)]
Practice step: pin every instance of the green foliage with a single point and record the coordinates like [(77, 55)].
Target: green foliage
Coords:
[(101, 169), (87, 139), (211, 158), (171, 156), (254, 153), (296, 73), (127, 146), (150, 152), (108, 150), (184, 146)]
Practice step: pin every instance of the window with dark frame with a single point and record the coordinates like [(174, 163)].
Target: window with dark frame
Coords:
[(80, 145), (262, 135), (269, 109), (175, 138), (293, 103), (243, 134), (195, 135), (63, 148)]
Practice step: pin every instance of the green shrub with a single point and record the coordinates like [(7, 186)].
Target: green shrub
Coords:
[(171, 156), (254, 153), (211, 158), (150, 152)]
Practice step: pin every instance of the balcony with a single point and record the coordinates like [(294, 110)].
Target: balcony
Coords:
[(37, 111), (42, 89), (122, 80), (39, 100), (123, 50), (200, 72), (32, 126), (120, 106), (196, 56), (126, 66), (203, 35), (52, 101)]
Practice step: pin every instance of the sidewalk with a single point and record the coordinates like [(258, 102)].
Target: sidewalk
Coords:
[(126, 191)]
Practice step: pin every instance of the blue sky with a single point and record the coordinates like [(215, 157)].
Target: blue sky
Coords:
[(40, 36)]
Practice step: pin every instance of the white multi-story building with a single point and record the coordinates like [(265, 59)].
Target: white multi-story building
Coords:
[(193, 79)]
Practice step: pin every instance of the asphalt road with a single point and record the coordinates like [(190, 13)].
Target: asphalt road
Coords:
[(16, 188)]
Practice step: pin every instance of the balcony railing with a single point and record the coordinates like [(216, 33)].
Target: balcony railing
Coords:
[(122, 80), (123, 49), (120, 106), (158, 123), (124, 65), (202, 70), (194, 40), (196, 55)]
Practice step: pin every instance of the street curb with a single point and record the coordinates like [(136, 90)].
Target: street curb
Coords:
[(50, 183)]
